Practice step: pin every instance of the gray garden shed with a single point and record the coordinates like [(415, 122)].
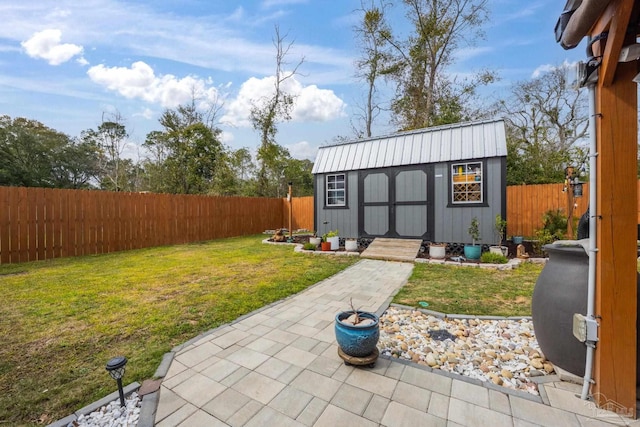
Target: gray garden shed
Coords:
[(427, 183)]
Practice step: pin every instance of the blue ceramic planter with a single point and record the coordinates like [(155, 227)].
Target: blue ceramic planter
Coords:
[(472, 251), (357, 341)]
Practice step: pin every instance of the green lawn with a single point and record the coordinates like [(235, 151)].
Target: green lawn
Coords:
[(62, 320), (466, 290)]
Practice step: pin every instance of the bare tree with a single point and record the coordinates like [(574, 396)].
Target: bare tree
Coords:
[(546, 122), (111, 138), (267, 112), (426, 95)]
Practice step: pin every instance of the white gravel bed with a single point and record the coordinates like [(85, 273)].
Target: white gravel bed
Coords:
[(112, 414), (504, 352)]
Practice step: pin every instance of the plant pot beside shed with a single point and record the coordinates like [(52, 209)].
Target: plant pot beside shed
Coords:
[(500, 250), (473, 251), (334, 242), (499, 227), (351, 245), (325, 246), (333, 238), (437, 250)]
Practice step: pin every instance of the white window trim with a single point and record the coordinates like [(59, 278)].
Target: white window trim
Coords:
[(336, 190), (467, 174)]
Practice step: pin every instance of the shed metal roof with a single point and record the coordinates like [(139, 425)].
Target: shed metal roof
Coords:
[(460, 141)]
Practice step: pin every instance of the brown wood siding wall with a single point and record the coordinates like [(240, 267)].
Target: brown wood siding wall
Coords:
[(38, 224)]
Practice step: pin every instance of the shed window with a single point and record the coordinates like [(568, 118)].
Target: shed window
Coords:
[(336, 190), (466, 183)]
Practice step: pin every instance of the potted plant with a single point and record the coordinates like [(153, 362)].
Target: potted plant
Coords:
[(332, 237), (315, 239), (437, 250), (357, 334), (351, 245), (326, 244), (473, 251), (499, 227)]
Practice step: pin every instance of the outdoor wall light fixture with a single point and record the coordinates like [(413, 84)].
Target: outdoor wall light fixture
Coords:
[(115, 367), (572, 180), (577, 188)]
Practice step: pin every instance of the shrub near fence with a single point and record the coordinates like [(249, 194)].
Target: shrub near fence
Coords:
[(38, 223), (527, 203)]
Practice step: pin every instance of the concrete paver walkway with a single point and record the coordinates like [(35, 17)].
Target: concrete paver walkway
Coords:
[(279, 367)]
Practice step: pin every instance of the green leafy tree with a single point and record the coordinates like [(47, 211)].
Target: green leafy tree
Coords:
[(236, 174), (266, 114), (184, 155), (547, 121), (34, 155), (299, 173), (75, 165)]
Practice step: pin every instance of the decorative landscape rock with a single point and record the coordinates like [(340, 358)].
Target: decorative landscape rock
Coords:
[(112, 415), (504, 352)]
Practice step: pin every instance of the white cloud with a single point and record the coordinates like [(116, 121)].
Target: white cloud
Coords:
[(302, 150), (271, 3), (46, 45), (147, 113), (466, 53), (311, 103), (140, 82), (9, 48), (320, 105), (227, 137), (545, 68), (229, 40)]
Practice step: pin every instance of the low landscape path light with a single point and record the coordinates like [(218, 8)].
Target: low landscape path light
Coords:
[(116, 368)]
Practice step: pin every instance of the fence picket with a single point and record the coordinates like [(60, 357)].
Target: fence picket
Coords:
[(5, 225)]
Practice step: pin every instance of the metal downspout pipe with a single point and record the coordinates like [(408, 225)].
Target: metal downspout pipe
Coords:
[(593, 215)]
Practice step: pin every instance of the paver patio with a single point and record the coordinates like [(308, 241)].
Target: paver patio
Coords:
[(279, 367)]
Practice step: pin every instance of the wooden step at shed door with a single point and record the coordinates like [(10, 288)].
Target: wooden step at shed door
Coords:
[(393, 249)]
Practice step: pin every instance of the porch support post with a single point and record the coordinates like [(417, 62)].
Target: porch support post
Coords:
[(617, 208)]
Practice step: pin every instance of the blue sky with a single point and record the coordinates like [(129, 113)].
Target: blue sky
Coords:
[(66, 65)]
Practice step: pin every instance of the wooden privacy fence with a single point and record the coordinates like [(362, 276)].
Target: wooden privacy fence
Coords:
[(526, 204), (302, 213), (38, 224)]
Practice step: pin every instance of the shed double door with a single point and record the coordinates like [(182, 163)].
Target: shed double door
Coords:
[(396, 202)]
